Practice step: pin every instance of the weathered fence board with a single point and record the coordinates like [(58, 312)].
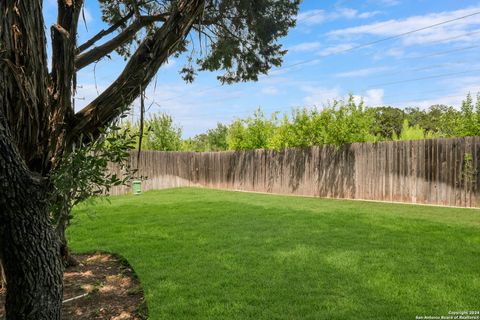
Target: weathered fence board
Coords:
[(436, 171)]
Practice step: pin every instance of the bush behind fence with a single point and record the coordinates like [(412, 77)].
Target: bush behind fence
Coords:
[(436, 171)]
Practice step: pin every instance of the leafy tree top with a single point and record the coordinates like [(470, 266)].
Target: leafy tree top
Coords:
[(237, 36)]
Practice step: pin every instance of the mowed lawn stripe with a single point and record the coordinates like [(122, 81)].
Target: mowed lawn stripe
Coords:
[(209, 254)]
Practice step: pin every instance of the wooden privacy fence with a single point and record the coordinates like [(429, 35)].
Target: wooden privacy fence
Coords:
[(436, 171)]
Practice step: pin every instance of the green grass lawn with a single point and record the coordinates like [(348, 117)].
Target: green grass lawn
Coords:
[(207, 254)]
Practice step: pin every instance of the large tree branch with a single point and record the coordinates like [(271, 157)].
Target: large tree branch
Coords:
[(139, 71), (62, 77), (104, 33), (101, 51)]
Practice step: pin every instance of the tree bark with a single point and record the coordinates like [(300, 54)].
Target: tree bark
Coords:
[(63, 220), (30, 248), (3, 279)]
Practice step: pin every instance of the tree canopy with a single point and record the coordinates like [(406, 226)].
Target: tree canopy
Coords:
[(239, 37), (341, 123)]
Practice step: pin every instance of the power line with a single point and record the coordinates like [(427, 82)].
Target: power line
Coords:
[(368, 44), (420, 99), (376, 42), (386, 75), (442, 52), (363, 91), (453, 37), (437, 53), (430, 67), (421, 78), (383, 40)]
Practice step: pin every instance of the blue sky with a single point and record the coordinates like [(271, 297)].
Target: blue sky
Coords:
[(436, 65)]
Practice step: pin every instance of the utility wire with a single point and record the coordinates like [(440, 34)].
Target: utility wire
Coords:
[(410, 58), (363, 91), (373, 43), (421, 78), (453, 37), (420, 99), (439, 53), (368, 44), (282, 109), (292, 106)]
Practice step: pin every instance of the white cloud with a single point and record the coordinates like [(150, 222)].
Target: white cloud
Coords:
[(268, 80), (312, 17), (366, 15), (196, 108), (392, 52), (270, 90), (455, 91), (373, 97), (294, 66), (169, 65), (318, 16), (471, 83), (336, 49), (389, 3), (395, 27), (305, 46), (350, 13), (361, 72), (454, 100), (320, 96), (346, 13)]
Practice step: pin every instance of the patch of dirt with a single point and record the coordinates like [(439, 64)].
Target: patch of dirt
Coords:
[(111, 289)]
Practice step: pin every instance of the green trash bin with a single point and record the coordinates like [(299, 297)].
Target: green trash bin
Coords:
[(137, 187)]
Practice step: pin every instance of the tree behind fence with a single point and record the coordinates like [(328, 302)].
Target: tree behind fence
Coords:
[(436, 171)]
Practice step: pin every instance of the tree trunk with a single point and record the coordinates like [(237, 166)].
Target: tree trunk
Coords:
[(35, 117), (62, 224), (30, 247), (3, 279)]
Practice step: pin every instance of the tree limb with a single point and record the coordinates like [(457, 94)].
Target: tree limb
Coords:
[(84, 59), (104, 33), (62, 76), (62, 84), (139, 71)]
